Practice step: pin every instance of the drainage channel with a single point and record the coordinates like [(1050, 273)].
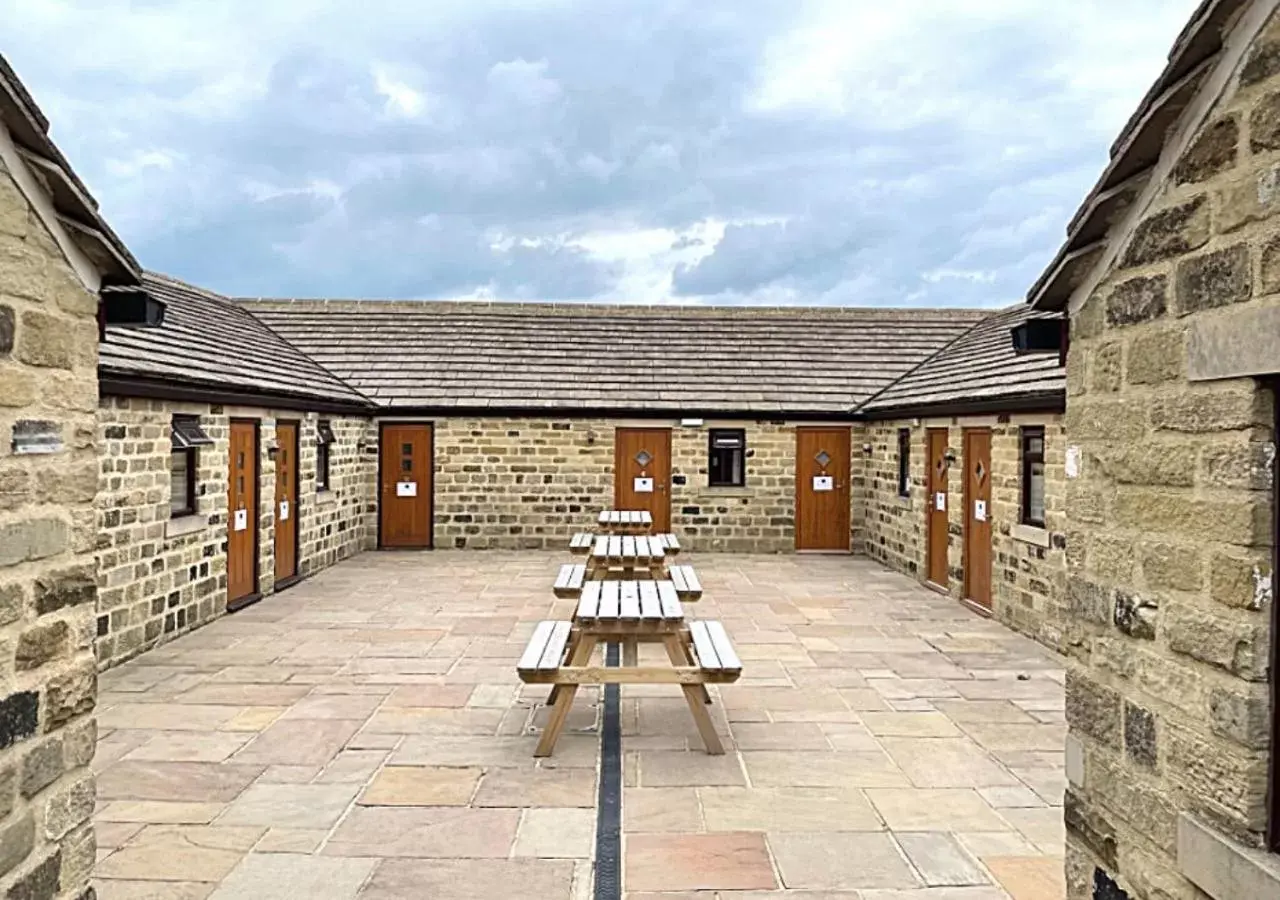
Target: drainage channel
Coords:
[(609, 805)]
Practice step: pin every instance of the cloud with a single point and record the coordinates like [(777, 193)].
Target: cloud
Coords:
[(811, 151)]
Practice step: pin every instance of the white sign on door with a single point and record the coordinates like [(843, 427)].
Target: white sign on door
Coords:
[(284, 510), (406, 488), (824, 483), (980, 510), (643, 486), (940, 501), (241, 519)]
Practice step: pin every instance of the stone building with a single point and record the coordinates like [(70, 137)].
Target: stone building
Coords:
[(1171, 278), (56, 256), (231, 465), (964, 483)]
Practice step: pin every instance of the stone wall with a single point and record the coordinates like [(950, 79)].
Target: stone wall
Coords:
[(48, 383), (1168, 525), (511, 483), (159, 576), (1028, 568)]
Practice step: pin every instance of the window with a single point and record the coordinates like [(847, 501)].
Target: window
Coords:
[(904, 462), (186, 437), (324, 440), (727, 466), (1033, 476)]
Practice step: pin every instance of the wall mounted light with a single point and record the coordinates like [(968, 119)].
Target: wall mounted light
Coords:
[(867, 449), (591, 437), (950, 456)]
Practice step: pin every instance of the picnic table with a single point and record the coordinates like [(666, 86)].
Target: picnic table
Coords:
[(573, 577), (629, 613), (625, 521)]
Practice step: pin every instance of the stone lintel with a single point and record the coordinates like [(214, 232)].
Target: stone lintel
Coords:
[(1222, 868), (1239, 343)]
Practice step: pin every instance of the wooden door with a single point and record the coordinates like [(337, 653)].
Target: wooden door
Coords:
[(242, 513), (405, 474), (937, 507), (642, 473), (822, 488), (286, 501), (977, 516)]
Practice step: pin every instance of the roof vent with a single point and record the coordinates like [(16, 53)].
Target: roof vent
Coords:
[(1039, 336)]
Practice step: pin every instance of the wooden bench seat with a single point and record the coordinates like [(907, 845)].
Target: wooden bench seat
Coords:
[(545, 650), (570, 580), (713, 651), (669, 543), (581, 542), (686, 581)]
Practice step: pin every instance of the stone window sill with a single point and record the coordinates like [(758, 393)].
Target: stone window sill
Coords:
[(1222, 868), (184, 525), (1030, 534)]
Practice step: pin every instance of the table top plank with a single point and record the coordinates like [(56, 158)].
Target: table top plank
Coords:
[(669, 599), (629, 602), (650, 605), (609, 600), (589, 602)]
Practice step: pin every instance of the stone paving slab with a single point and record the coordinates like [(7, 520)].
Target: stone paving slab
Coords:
[(364, 735)]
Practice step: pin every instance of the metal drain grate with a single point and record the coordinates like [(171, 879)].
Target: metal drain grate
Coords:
[(609, 804)]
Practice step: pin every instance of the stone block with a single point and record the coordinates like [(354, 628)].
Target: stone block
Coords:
[(41, 883), (1243, 717), (42, 644), (65, 588), (1243, 522), (17, 840), (1090, 825), (48, 341), (1092, 708), (1241, 582), (1171, 566), (1135, 616), (1262, 62), (1253, 199), (71, 694), (1107, 369), (34, 538), (1224, 408), (1212, 152), (68, 807), (17, 387), (1218, 865), (1240, 465), (1140, 745), (41, 766), (1211, 280), (1137, 300), (1156, 357), (1169, 233), (1236, 646), (1264, 124), (19, 717), (1148, 463), (1219, 779), (13, 602)]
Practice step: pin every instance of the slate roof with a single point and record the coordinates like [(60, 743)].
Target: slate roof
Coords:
[(978, 368), (470, 355), (208, 341)]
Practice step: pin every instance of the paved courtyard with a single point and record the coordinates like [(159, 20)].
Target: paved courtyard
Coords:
[(364, 735)]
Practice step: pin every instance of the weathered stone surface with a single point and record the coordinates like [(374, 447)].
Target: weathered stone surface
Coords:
[(19, 716), (1242, 522), (1245, 466), (6, 329), (42, 644), (41, 883), (30, 539), (17, 839), (17, 387), (1092, 708), (1140, 744), (13, 602), (1087, 601), (41, 766), (47, 341), (1091, 826), (1138, 300), (1253, 199), (1107, 369), (1174, 566), (1146, 463), (1212, 152), (64, 588), (71, 694), (1241, 717), (1168, 233), (1221, 780), (1135, 616), (1264, 124), (68, 807), (1241, 582), (1212, 280), (1262, 63), (1230, 644)]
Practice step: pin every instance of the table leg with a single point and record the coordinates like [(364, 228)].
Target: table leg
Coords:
[(694, 696), (630, 652), (564, 699), (574, 640), (690, 661)]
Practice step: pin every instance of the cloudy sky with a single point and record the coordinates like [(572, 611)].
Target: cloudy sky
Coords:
[(918, 152)]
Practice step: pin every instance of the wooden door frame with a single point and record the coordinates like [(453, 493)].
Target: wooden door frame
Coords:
[(256, 594), (617, 480), (930, 500), (966, 433), (431, 467), (796, 491), (1273, 786), (290, 580)]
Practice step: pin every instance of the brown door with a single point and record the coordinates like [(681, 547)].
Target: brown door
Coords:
[(938, 503), (822, 489), (286, 500), (406, 464), (642, 472), (242, 513), (977, 516)]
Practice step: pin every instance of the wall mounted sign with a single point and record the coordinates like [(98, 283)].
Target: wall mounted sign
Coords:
[(1073, 462), (241, 519), (406, 488), (940, 501), (284, 510), (980, 510), (36, 436), (643, 486), (824, 483)]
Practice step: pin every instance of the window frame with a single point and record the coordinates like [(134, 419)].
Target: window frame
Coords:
[(1026, 458), (324, 440), (904, 462), (741, 435), (189, 506), (186, 437)]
